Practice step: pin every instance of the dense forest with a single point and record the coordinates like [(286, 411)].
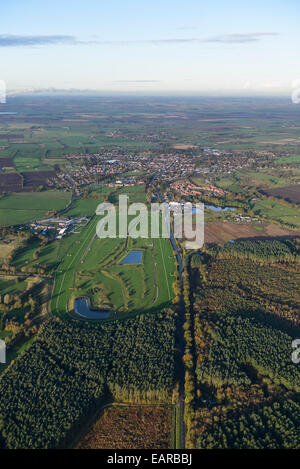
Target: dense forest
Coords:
[(245, 302), (267, 250), (272, 427), (74, 367)]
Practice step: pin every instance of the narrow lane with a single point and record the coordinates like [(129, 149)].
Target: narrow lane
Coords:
[(181, 376)]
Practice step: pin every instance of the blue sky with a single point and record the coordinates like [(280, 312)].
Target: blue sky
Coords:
[(166, 46)]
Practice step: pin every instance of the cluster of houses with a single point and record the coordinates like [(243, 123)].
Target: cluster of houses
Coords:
[(187, 188), (226, 162), (85, 169), (74, 178)]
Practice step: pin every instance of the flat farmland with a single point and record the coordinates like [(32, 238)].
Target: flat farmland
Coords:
[(289, 193), (83, 207), (12, 182), (264, 179), (278, 210), (130, 427), (6, 162), (37, 178), (56, 126), (219, 232), (26, 207), (28, 163), (292, 159)]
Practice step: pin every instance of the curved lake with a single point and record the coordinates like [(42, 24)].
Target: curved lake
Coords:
[(82, 308)]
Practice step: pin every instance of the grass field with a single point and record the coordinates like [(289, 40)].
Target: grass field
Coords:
[(26, 207), (90, 267), (278, 210), (289, 159), (243, 180), (10, 284)]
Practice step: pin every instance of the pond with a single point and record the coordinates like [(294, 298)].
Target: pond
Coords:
[(82, 308), (134, 257), (219, 209), (212, 207)]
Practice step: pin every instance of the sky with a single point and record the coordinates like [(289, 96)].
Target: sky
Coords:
[(151, 46)]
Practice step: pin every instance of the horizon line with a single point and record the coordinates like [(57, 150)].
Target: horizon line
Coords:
[(201, 93)]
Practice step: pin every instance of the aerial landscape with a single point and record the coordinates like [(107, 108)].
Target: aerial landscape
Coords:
[(131, 342)]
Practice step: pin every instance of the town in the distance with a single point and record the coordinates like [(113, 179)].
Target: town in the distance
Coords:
[(138, 342)]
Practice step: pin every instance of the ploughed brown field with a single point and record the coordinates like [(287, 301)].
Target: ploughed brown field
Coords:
[(11, 182), (15, 182), (219, 232), (6, 162), (11, 136), (36, 178), (289, 193), (135, 427)]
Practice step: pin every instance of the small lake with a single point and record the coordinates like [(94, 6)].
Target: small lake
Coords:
[(219, 209), (82, 308), (212, 207), (134, 257)]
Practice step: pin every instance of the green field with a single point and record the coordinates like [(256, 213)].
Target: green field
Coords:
[(26, 163), (29, 206), (11, 285), (289, 159), (90, 267), (244, 180), (278, 210)]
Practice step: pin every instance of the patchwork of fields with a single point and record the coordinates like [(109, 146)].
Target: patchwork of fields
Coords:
[(192, 350)]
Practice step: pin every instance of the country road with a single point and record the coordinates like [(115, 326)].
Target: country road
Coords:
[(181, 338)]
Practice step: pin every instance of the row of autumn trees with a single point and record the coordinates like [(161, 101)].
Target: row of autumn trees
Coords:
[(188, 358), (73, 367)]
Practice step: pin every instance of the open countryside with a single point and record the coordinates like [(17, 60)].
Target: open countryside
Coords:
[(118, 340)]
